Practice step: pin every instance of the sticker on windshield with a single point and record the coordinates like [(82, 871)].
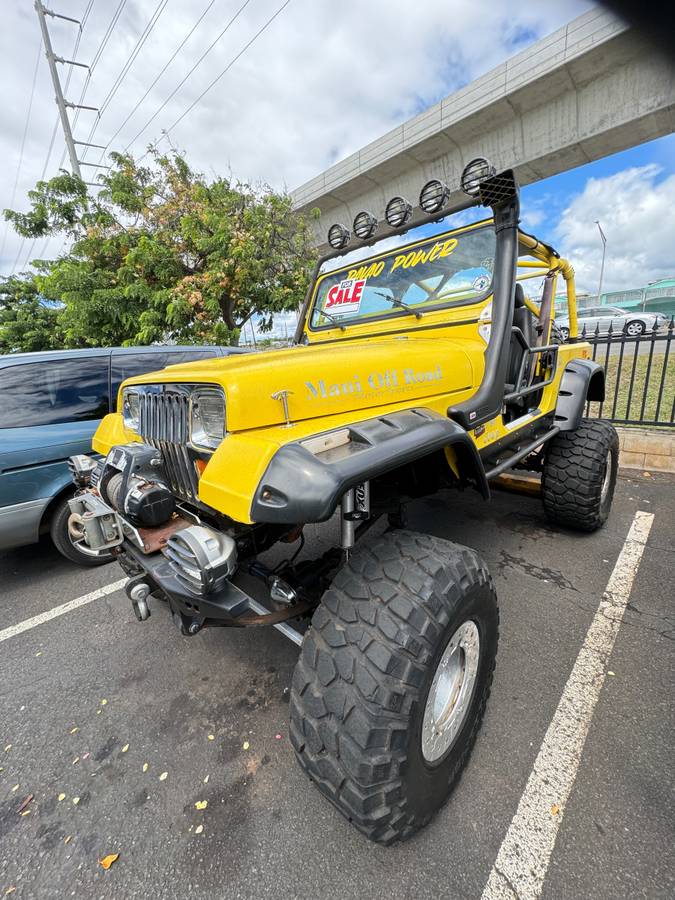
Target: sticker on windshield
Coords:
[(345, 298), (481, 283)]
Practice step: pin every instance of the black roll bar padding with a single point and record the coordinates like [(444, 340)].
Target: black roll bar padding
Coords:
[(419, 217), (486, 403), (546, 309)]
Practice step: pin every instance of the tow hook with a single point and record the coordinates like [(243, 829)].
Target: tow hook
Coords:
[(137, 592)]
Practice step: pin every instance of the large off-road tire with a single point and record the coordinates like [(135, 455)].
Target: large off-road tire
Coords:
[(580, 469), (75, 552), (368, 666)]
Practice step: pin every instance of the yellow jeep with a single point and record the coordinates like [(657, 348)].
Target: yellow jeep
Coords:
[(418, 366)]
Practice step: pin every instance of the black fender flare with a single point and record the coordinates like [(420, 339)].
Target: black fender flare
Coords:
[(303, 485), (582, 380)]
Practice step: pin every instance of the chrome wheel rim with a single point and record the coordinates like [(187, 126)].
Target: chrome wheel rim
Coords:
[(606, 479), (451, 692)]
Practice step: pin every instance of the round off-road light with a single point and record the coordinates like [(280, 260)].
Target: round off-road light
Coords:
[(434, 195), (474, 173), (398, 212), (338, 236), (365, 224)]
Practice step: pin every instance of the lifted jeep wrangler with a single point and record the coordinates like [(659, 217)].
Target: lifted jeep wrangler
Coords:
[(417, 368)]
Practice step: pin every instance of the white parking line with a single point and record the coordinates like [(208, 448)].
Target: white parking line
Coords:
[(523, 859), (27, 624)]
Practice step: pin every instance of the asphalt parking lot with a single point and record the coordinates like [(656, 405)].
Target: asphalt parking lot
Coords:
[(120, 731)]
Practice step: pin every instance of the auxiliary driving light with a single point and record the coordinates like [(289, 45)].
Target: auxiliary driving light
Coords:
[(338, 236), (474, 173), (398, 212), (365, 224), (434, 195)]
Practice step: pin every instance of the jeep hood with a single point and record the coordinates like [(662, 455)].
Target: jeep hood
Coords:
[(326, 379)]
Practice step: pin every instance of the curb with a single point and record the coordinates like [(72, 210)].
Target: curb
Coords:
[(645, 448)]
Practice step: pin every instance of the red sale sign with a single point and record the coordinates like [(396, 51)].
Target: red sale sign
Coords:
[(345, 297)]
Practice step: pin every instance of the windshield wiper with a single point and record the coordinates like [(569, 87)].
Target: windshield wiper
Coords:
[(333, 319), (396, 301)]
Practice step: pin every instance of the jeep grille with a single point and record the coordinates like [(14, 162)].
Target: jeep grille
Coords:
[(164, 424)]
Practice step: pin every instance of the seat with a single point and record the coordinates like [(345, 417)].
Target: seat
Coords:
[(522, 319)]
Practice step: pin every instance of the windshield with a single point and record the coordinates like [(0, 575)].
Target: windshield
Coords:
[(449, 269)]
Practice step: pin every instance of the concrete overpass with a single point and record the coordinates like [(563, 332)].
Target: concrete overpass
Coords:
[(586, 91)]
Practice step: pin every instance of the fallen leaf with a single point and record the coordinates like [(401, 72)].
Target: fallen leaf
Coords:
[(73, 730), (62, 797), (10, 890), (68, 839), (104, 702), (199, 829), (108, 860), (555, 809), (206, 780), (201, 804), (611, 673), (647, 474), (76, 800), (163, 776), (145, 767), (246, 745), (125, 748), (25, 803), (212, 737)]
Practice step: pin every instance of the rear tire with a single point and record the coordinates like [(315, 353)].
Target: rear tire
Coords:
[(635, 328), (58, 531), (579, 476), (360, 720)]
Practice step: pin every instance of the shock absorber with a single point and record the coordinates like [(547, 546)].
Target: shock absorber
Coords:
[(355, 507)]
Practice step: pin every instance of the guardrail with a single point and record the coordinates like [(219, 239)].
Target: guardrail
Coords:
[(640, 376)]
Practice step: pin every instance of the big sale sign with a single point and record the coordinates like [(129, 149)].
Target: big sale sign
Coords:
[(345, 297)]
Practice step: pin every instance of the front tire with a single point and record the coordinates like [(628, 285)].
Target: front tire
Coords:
[(366, 687), (635, 328), (579, 475), (75, 552)]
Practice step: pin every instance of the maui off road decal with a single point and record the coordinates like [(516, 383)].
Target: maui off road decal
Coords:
[(390, 380)]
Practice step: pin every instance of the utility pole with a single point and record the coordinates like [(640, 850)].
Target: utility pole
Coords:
[(61, 102), (602, 264)]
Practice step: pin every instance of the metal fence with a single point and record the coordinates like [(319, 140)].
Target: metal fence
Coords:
[(639, 373)]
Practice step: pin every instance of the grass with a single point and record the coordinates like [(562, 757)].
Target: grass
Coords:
[(641, 385)]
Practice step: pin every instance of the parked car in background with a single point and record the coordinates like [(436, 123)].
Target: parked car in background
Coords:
[(50, 406), (633, 323)]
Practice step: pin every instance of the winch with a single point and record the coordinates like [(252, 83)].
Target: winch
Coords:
[(132, 483)]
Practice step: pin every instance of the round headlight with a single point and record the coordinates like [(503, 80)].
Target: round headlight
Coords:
[(130, 409), (398, 212), (477, 170), (207, 417), (365, 224), (338, 236), (434, 195)]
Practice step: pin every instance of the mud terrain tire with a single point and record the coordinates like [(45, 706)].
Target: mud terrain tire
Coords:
[(367, 667), (579, 475)]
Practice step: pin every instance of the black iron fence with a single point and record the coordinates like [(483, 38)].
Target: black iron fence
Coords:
[(640, 375)]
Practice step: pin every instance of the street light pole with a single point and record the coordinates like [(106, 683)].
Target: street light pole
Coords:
[(602, 264)]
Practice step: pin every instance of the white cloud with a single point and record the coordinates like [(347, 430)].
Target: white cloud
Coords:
[(318, 84), (637, 214)]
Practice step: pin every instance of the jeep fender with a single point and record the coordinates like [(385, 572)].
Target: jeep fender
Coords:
[(582, 380), (302, 484)]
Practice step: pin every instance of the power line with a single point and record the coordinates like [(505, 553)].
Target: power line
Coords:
[(182, 82), (166, 66), (23, 146), (226, 69), (161, 6)]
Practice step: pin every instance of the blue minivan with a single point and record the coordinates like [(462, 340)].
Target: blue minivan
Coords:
[(50, 406)]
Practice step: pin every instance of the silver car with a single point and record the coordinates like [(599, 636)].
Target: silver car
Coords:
[(632, 322)]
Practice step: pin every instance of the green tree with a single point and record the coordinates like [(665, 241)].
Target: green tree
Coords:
[(163, 253), (27, 321)]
